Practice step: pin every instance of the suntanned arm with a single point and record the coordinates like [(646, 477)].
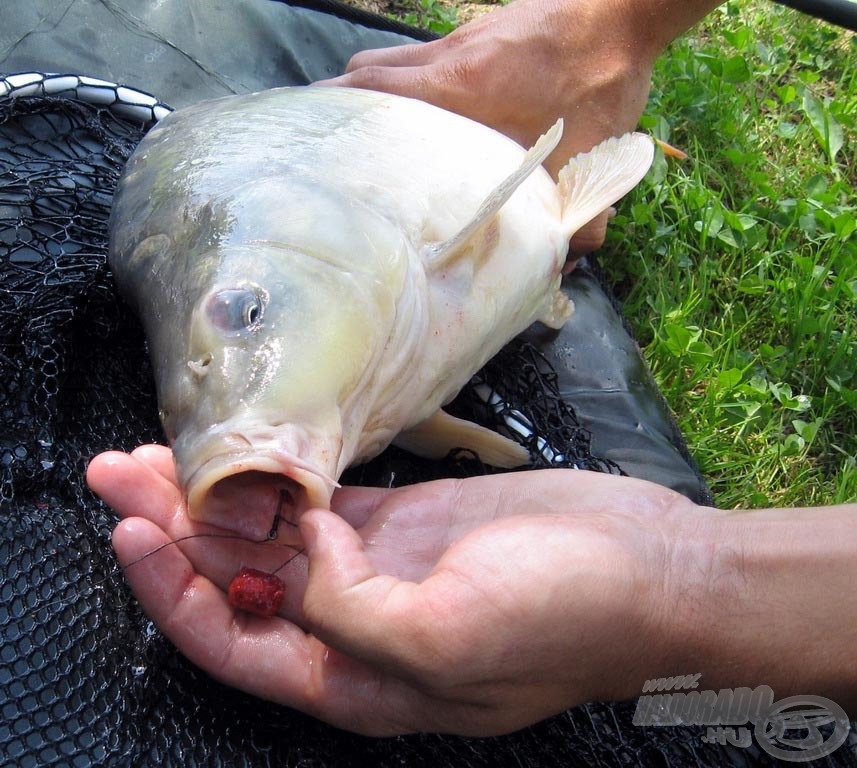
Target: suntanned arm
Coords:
[(764, 597), (658, 22), (743, 598), (519, 68)]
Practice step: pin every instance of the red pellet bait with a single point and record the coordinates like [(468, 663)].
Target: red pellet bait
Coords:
[(256, 592)]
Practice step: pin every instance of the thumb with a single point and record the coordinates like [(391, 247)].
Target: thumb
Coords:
[(347, 604), (591, 236), (337, 559)]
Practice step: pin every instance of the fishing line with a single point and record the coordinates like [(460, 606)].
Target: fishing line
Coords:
[(284, 564), (268, 538), (235, 536)]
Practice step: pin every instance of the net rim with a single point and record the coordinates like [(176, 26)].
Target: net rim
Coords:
[(122, 100)]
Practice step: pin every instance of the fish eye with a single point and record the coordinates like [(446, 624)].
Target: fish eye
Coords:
[(233, 310)]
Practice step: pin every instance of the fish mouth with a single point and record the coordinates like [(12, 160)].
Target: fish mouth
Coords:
[(259, 496)]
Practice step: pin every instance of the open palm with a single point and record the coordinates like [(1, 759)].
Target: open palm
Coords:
[(475, 606)]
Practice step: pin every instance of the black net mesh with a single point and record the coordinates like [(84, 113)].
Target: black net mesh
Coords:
[(85, 678)]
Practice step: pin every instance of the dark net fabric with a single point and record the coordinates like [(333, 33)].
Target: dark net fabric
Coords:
[(85, 678)]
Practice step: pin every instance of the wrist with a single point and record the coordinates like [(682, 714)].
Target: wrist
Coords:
[(655, 545), (764, 598), (654, 24)]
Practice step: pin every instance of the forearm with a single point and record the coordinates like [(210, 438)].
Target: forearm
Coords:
[(767, 598)]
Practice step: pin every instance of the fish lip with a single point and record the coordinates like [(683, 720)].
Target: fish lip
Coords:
[(268, 484)]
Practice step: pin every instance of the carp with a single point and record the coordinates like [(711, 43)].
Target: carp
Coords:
[(320, 270)]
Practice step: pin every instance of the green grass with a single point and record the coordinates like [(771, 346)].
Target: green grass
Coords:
[(738, 267), (428, 14)]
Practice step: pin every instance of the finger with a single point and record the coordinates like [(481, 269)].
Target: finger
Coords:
[(160, 458), (269, 658), (414, 82), (350, 606), (195, 614), (132, 487), (379, 58), (411, 55), (217, 559), (589, 237), (135, 489), (220, 556)]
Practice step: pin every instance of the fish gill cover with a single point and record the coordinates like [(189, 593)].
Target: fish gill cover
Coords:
[(85, 678)]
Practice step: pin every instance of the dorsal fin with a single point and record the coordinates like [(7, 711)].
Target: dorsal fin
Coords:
[(439, 254)]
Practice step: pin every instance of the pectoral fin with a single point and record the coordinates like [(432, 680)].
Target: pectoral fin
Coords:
[(439, 254), (435, 437), (594, 180)]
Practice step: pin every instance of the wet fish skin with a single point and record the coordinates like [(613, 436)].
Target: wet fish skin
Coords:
[(315, 277)]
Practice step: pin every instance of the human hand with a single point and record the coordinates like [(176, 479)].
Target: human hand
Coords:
[(474, 607), (522, 66)]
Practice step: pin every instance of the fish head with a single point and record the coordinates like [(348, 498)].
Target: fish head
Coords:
[(263, 351), (260, 407), (268, 298)]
